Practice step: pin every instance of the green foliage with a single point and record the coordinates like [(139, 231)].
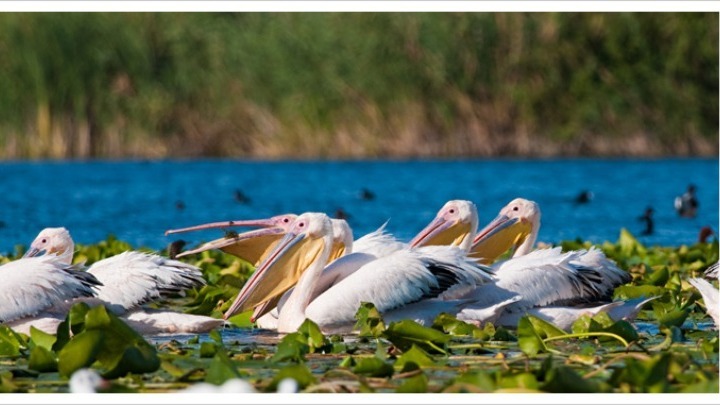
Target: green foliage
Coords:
[(105, 339), (74, 84)]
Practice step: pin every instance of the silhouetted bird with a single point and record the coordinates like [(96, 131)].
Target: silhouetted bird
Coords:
[(175, 248), (241, 197), (366, 195), (649, 225), (341, 214), (687, 204), (179, 205), (705, 233), (584, 197)]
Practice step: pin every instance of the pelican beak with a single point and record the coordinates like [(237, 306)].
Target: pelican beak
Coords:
[(32, 252), (442, 232), (498, 236), (336, 251), (261, 223), (251, 246), (292, 255)]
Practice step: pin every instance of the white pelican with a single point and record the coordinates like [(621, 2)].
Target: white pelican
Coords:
[(346, 257), (406, 277), (709, 293), (34, 284), (529, 279), (129, 280)]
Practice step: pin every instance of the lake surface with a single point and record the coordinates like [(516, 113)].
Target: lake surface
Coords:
[(138, 201)]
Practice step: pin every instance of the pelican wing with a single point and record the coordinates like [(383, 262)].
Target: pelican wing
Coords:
[(710, 296), (396, 280), (134, 278), (595, 259), (32, 284), (550, 277), (378, 243), (712, 271)]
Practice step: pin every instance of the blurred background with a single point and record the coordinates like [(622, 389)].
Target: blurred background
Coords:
[(134, 123), (358, 85)]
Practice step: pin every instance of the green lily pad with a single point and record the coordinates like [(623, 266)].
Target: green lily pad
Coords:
[(42, 360), (406, 333), (373, 367), (529, 340), (415, 384), (369, 321)]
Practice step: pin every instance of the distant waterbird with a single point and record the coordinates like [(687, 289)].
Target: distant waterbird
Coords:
[(687, 204)]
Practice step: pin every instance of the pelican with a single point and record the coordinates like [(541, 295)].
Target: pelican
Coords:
[(709, 293), (346, 257), (32, 285), (408, 277), (129, 280), (530, 279)]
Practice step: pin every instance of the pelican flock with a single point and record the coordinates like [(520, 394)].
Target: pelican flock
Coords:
[(310, 266)]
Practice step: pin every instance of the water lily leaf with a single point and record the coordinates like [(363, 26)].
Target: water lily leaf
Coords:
[(625, 292), (11, 343), (658, 277), (415, 355), (242, 320), (415, 384), (628, 244), (314, 337), (405, 333), (221, 369), (80, 352), (373, 367), (369, 321), (453, 326), (479, 379), (528, 339), (623, 329), (544, 328), (6, 382), (42, 360), (292, 347), (298, 372), (673, 318), (347, 362), (208, 350), (42, 339), (133, 359), (525, 381), (563, 379)]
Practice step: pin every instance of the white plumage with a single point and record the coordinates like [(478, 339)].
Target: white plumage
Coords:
[(129, 280), (710, 296), (31, 285)]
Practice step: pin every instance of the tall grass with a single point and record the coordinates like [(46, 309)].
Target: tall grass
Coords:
[(357, 85)]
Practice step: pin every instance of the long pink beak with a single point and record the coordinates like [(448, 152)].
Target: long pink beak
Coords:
[(262, 223)]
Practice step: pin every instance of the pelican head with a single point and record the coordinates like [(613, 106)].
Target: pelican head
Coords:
[(342, 239), (308, 242), (251, 246), (454, 224), (515, 227), (53, 241)]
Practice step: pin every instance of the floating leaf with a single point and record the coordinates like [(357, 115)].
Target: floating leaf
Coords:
[(42, 360), (450, 324), (415, 384), (405, 333), (373, 367), (565, 380), (42, 339), (292, 347), (208, 350), (415, 355), (313, 336), (673, 318), (369, 321), (80, 352), (299, 372), (221, 369), (11, 343), (528, 339)]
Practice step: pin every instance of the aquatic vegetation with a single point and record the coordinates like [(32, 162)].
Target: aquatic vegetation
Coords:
[(670, 347)]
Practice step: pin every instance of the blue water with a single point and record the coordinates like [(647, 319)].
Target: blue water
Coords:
[(137, 201)]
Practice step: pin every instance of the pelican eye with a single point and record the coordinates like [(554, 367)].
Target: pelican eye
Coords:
[(515, 208), (452, 210), (43, 241)]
